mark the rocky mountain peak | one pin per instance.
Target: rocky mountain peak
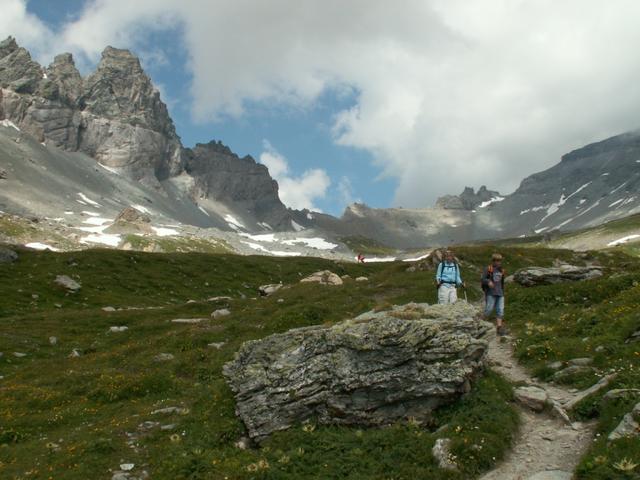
(468, 199)
(7, 46)
(120, 89)
(18, 72)
(63, 73)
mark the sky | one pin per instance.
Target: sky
(387, 103)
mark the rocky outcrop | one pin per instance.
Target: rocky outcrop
(223, 176)
(130, 220)
(124, 123)
(547, 276)
(376, 369)
(468, 199)
(18, 72)
(116, 116)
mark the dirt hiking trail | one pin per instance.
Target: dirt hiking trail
(548, 447)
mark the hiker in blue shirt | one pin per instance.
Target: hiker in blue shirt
(448, 279)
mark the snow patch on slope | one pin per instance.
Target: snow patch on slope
(111, 240)
(622, 240)
(491, 201)
(88, 200)
(276, 253)
(314, 242)
(41, 246)
(9, 124)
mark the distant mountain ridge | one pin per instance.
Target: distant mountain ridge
(110, 137)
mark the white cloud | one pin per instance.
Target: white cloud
(345, 192)
(450, 92)
(27, 28)
(295, 192)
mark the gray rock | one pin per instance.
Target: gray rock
(130, 220)
(547, 276)
(552, 475)
(118, 329)
(243, 443)
(163, 357)
(635, 337)
(569, 371)
(467, 200)
(581, 362)
(217, 299)
(188, 320)
(362, 279)
(17, 71)
(216, 345)
(377, 369)
(323, 277)
(270, 289)
(555, 365)
(601, 384)
(108, 309)
(7, 256)
(171, 411)
(628, 426)
(532, 397)
(53, 340)
(222, 312)
(68, 283)
(441, 451)
(620, 393)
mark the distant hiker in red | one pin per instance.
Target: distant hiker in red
(493, 287)
(360, 258)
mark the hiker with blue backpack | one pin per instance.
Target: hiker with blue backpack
(448, 279)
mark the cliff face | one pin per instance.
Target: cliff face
(116, 116)
(222, 176)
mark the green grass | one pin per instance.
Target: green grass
(177, 244)
(79, 417)
(366, 246)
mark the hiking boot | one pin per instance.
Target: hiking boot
(502, 331)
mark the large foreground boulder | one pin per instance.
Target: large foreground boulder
(376, 369)
(547, 276)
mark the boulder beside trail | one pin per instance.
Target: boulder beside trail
(376, 369)
(533, 276)
(323, 277)
(629, 426)
(533, 397)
